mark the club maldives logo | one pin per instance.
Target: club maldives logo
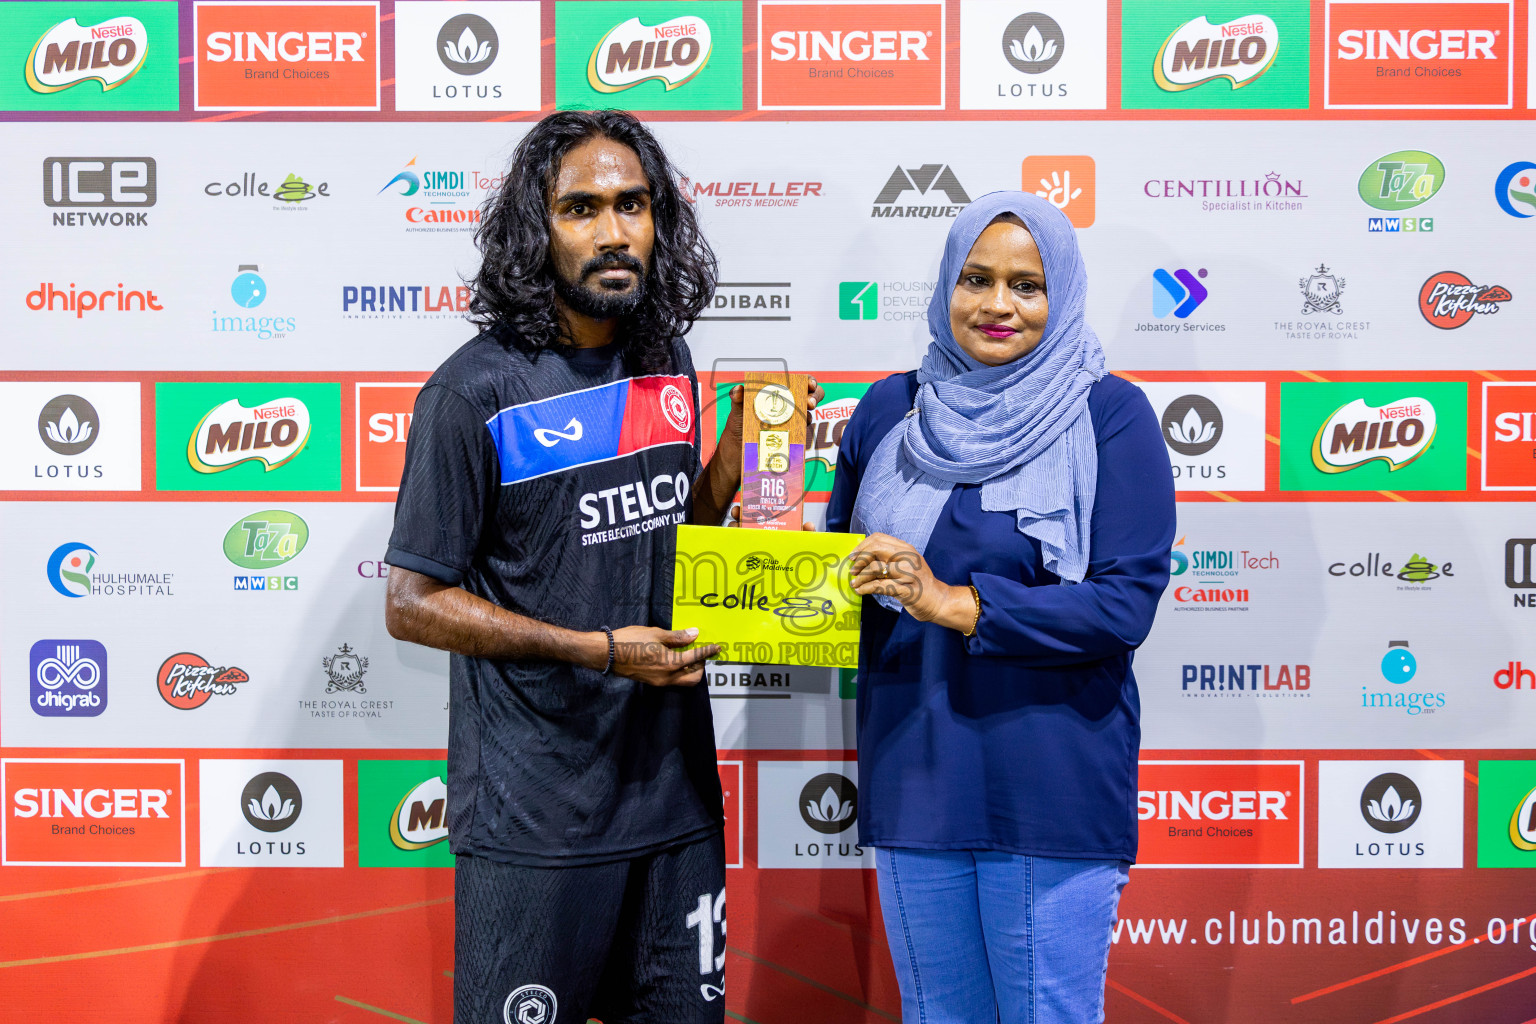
(271, 802)
(1516, 184)
(672, 53)
(929, 178)
(69, 678)
(829, 803)
(1179, 292)
(1192, 425)
(231, 434)
(187, 681)
(1449, 300)
(1068, 183)
(420, 819)
(68, 425)
(1320, 292)
(1401, 181)
(1358, 433)
(852, 56)
(1198, 52)
(110, 52)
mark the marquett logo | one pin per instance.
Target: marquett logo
(1198, 52)
(1448, 300)
(110, 52)
(1192, 425)
(231, 434)
(1418, 54)
(1320, 292)
(274, 56)
(69, 678)
(852, 56)
(92, 812)
(1179, 292)
(68, 424)
(420, 819)
(1402, 180)
(99, 191)
(265, 540)
(1066, 182)
(271, 802)
(829, 803)
(1033, 43)
(188, 681)
(1357, 433)
(1515, 189)
(69, 568)
(927, 181)
(631, 52)
(1391, 803)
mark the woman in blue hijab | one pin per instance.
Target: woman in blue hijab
(1019, 507)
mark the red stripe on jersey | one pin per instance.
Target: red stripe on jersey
(658, 410)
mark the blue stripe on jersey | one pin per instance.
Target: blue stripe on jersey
(559, 433)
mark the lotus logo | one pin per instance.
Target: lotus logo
(68, 424)
(1396, 433)
(271, 802)
(467, 44)
(1320, 292)
(1192, 425)
(829, 803)
(1033, 43)
(1390, 803)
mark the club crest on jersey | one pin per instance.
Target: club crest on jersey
(531, 1004)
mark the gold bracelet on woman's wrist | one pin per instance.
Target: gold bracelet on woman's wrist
(977, 619)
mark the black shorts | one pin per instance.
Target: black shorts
(638, 941)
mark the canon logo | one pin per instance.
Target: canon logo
(1425, 44)
(288, 47)
(856, 45)
(95, 803)
(1211, 805)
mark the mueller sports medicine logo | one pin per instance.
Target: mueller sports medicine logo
(92, 812)
(1198, 52)
(265, 56)
(1219, 814)
(1448, 300)
(631, 52)
(1414, 53)
(929, 182)
(69, 678)
(231, 434)
(748, 193)
(187, 681)
(1357, 433)
(110, 52)
(852, 55)
(1509, 436)
(99, 191)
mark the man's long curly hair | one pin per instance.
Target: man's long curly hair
(516, 282)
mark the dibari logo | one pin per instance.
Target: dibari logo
(1357, 433)
(829, 803)
(271, 802)
(265, 540)
(1179, 293)
(1391, 803)
(68, 425)
(937, 177)
(760, 301)
(1192, 425)
(94, 185)
(231, 434)
(1066, 182)
(421, 817)
(530, 1004)
(467, 44)
(1033, 43)
(274, 56)
(1198, 52)
(1448, 300)
(852, 56)
(1516, 184)
(1320, 292)
(631, 52)
(109, 52)
(69, 678)
(188, 681)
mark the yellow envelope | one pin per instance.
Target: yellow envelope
(768, 597)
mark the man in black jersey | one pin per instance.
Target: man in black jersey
(549, 461)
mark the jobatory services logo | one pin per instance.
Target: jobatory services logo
(69, 678)
(70, 435)
(851, 55)
(248, 290)
(270, 813)
(1178, 292)
(480, 55)
(274, 56)
(1047, 55)
(1221, 55)
(289, 192)
(1520, 570)
(71, 572)
(648, 55)
(1221, 814)
(1389, 814)
(1506, 814)
(749, 301)
(1069, 183)
(1449, 300)
(384, 412)
(187, 681)
(52, 297)
(1515, 189)
(1418, 54)
(1509, 436)
(1214, 431)
(807, 815)
(1373, 436)
(931, 182)
(89, 56)
(402, 814)
(93, 813)
(248, 436)
(439, 200)
(99, 191)
(1397, 182)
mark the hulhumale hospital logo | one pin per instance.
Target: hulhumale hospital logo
(1515, 189)
(69, 568)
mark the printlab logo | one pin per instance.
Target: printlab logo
(1179, 292)
(1198, 52)
(829, 803)
(88, 184)
(1320, 292)
(858, 300)
(1391, 803)
(1449, 300)
(467, 44)
(68, 425)
(1066, 182)
(1192, 425)
(1516, 184)
(271, 802)
(69, 568)
(1033, 43)
(187, 681)
(69, 678)
(937, 179)
(530, 1004)
(1397, 182)
(344, 670)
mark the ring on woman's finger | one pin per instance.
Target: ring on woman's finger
(885, 570)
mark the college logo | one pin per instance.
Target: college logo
(1516, 184)
(49, 297)
(1373, 436)
(69, 678)
(1320, 292)
(402, 809)
(1066, 182)
(265, 540)
(1509, 436)
(1185, 55)
(530, 1004)
(292, 190)
(1179, 292)
(853, 56)
(1357, 433)
(1416, 571)
(1401, 181)
(1416, 53)
(1198, 52)
(187, 681)
(231, 434)
(95, 185)
(936, 177)
(466, 56)
(1506, 814)
(344, 670)
(68, 425)
(96, 813)
(829, 803)
(384, 413)
(1050, 56)
(1448, 300)
(1220, 814)
(271, 802)
(109, 52)
(1389, 814)
(1192, 425)
(679, 56)
(265, 56)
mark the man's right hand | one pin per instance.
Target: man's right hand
(655, 656)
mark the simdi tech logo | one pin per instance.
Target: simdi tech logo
(648, 55)
(273, 56)
(212, 436)
(1215, 55)
(93, 813)
(89, 56)
(402, 814)
(851, 55)
(1367, 436)
(1423, 54)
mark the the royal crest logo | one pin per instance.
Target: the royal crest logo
(1198, 52)
(1396, 433)
(344, 670)
(1448, 300)
(1320, 292)
(271, 433)
(630, 53)
(110, 52)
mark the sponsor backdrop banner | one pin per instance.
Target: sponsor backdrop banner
(239, 234)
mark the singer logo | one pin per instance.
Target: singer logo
(384, 414)
(263, 56)
(92, 813)
(1220, 814)
(852, 56)
(1515, 676)
(1509, 436)
(270, 433)
(1418, 53)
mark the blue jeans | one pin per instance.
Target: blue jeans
(979, 937)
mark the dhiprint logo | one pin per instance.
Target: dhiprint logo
(232, 434)
(858, 300)
(530, 1004)
(1515, 676)
(467, 44)
(1516, 184)
(69, 568)
(631, 52)
(1401, 181)
(1449, 300)
(852, 56)
(1179, 292)
(49, 297)
(68, 425)
(1358, 433)
(1066, 182)
(1320, 292)
(109, 52)
(1192, 425)
(275, 56)
(1398, 665)
(1509, 436)
(271, 802)
(1418, 54)
(1391, 803)
(829, 803)
(69, 678)
(1033, 43)
(937, 177)
(84, 185)
(187, 681)
(265, 540)
(1198, 52)
(421, 817)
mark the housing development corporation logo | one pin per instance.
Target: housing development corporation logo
(851, 56)
(655, 55)
(1448, 300)
(275, 56)
(1198, 52)
(187, 681)
(91, 812)
(69, 678)
(1373, 436)
(929, 182)
(99, 191)
(1418, 54)
(1509, 435)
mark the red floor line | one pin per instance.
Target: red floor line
(1469, 993)
(1144, 1001)
(813, 983)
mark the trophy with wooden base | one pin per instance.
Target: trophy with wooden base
(773, 450)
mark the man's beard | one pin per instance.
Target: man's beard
(601, 302)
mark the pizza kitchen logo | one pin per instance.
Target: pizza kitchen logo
(1356, 434)
(673, 53)
(187, 681)
(1449, 300)
(110, 52)
(1198, 52)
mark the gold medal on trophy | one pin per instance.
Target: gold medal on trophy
(773, 456)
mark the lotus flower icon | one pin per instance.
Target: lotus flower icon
(1034, 48)
(68, 429)
(271, 806)
(271, 802)
(467, 49)
(1192, 429)
(1391, 803)
(829, 809)
(1391, 807)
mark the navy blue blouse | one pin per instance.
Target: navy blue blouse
(1024, 737)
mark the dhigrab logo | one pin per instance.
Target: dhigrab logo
(69, 678)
